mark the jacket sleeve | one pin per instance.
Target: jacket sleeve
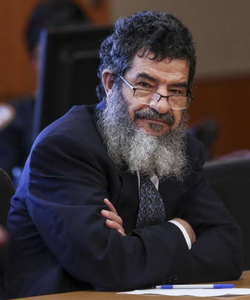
(217, 253)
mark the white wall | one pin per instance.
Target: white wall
(221, 30)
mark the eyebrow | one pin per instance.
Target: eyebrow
(146, 76)
(179, 84)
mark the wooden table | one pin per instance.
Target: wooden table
(243, 282)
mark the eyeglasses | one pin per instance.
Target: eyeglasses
(176, 102)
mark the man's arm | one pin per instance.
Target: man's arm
(67, 188)
(113, 221)
(65, 200)
(217, 251)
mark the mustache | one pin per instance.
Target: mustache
(152, 114)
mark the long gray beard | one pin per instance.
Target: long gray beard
(128, 144)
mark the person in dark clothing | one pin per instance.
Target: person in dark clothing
(16, 115)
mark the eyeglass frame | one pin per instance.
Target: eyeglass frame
(189, 96)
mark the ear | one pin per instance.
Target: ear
(107, 81)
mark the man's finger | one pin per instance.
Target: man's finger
(110, 206)
(111, 216)
(113, 225)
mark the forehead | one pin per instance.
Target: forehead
(174, 69)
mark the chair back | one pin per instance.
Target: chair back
(6, 192)
(230, 180)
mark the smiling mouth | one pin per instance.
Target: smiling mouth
(154, 117)
(157, 121)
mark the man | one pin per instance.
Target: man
(113, 196)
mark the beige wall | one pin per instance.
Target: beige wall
(221, 29)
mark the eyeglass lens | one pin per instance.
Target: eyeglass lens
(178, 102)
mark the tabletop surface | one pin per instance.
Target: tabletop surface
(243, 282)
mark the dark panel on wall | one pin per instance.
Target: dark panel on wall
(228, 102)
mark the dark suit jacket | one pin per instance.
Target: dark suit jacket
(58, 238)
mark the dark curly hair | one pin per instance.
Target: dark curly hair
(160, 33)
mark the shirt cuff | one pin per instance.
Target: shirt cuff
(184, 232)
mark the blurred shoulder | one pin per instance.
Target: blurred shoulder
(79, 123)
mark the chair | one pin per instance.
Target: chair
(6, 192)
(230, 180)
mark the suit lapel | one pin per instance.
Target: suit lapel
(128, 200)
(172, 193)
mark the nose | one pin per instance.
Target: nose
(160, 106)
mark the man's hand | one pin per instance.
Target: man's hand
(188, 228)
(113, 220)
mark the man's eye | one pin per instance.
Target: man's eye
(144, 85)
(176, 92)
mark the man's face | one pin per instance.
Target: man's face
(146, 136)
(167, 77)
